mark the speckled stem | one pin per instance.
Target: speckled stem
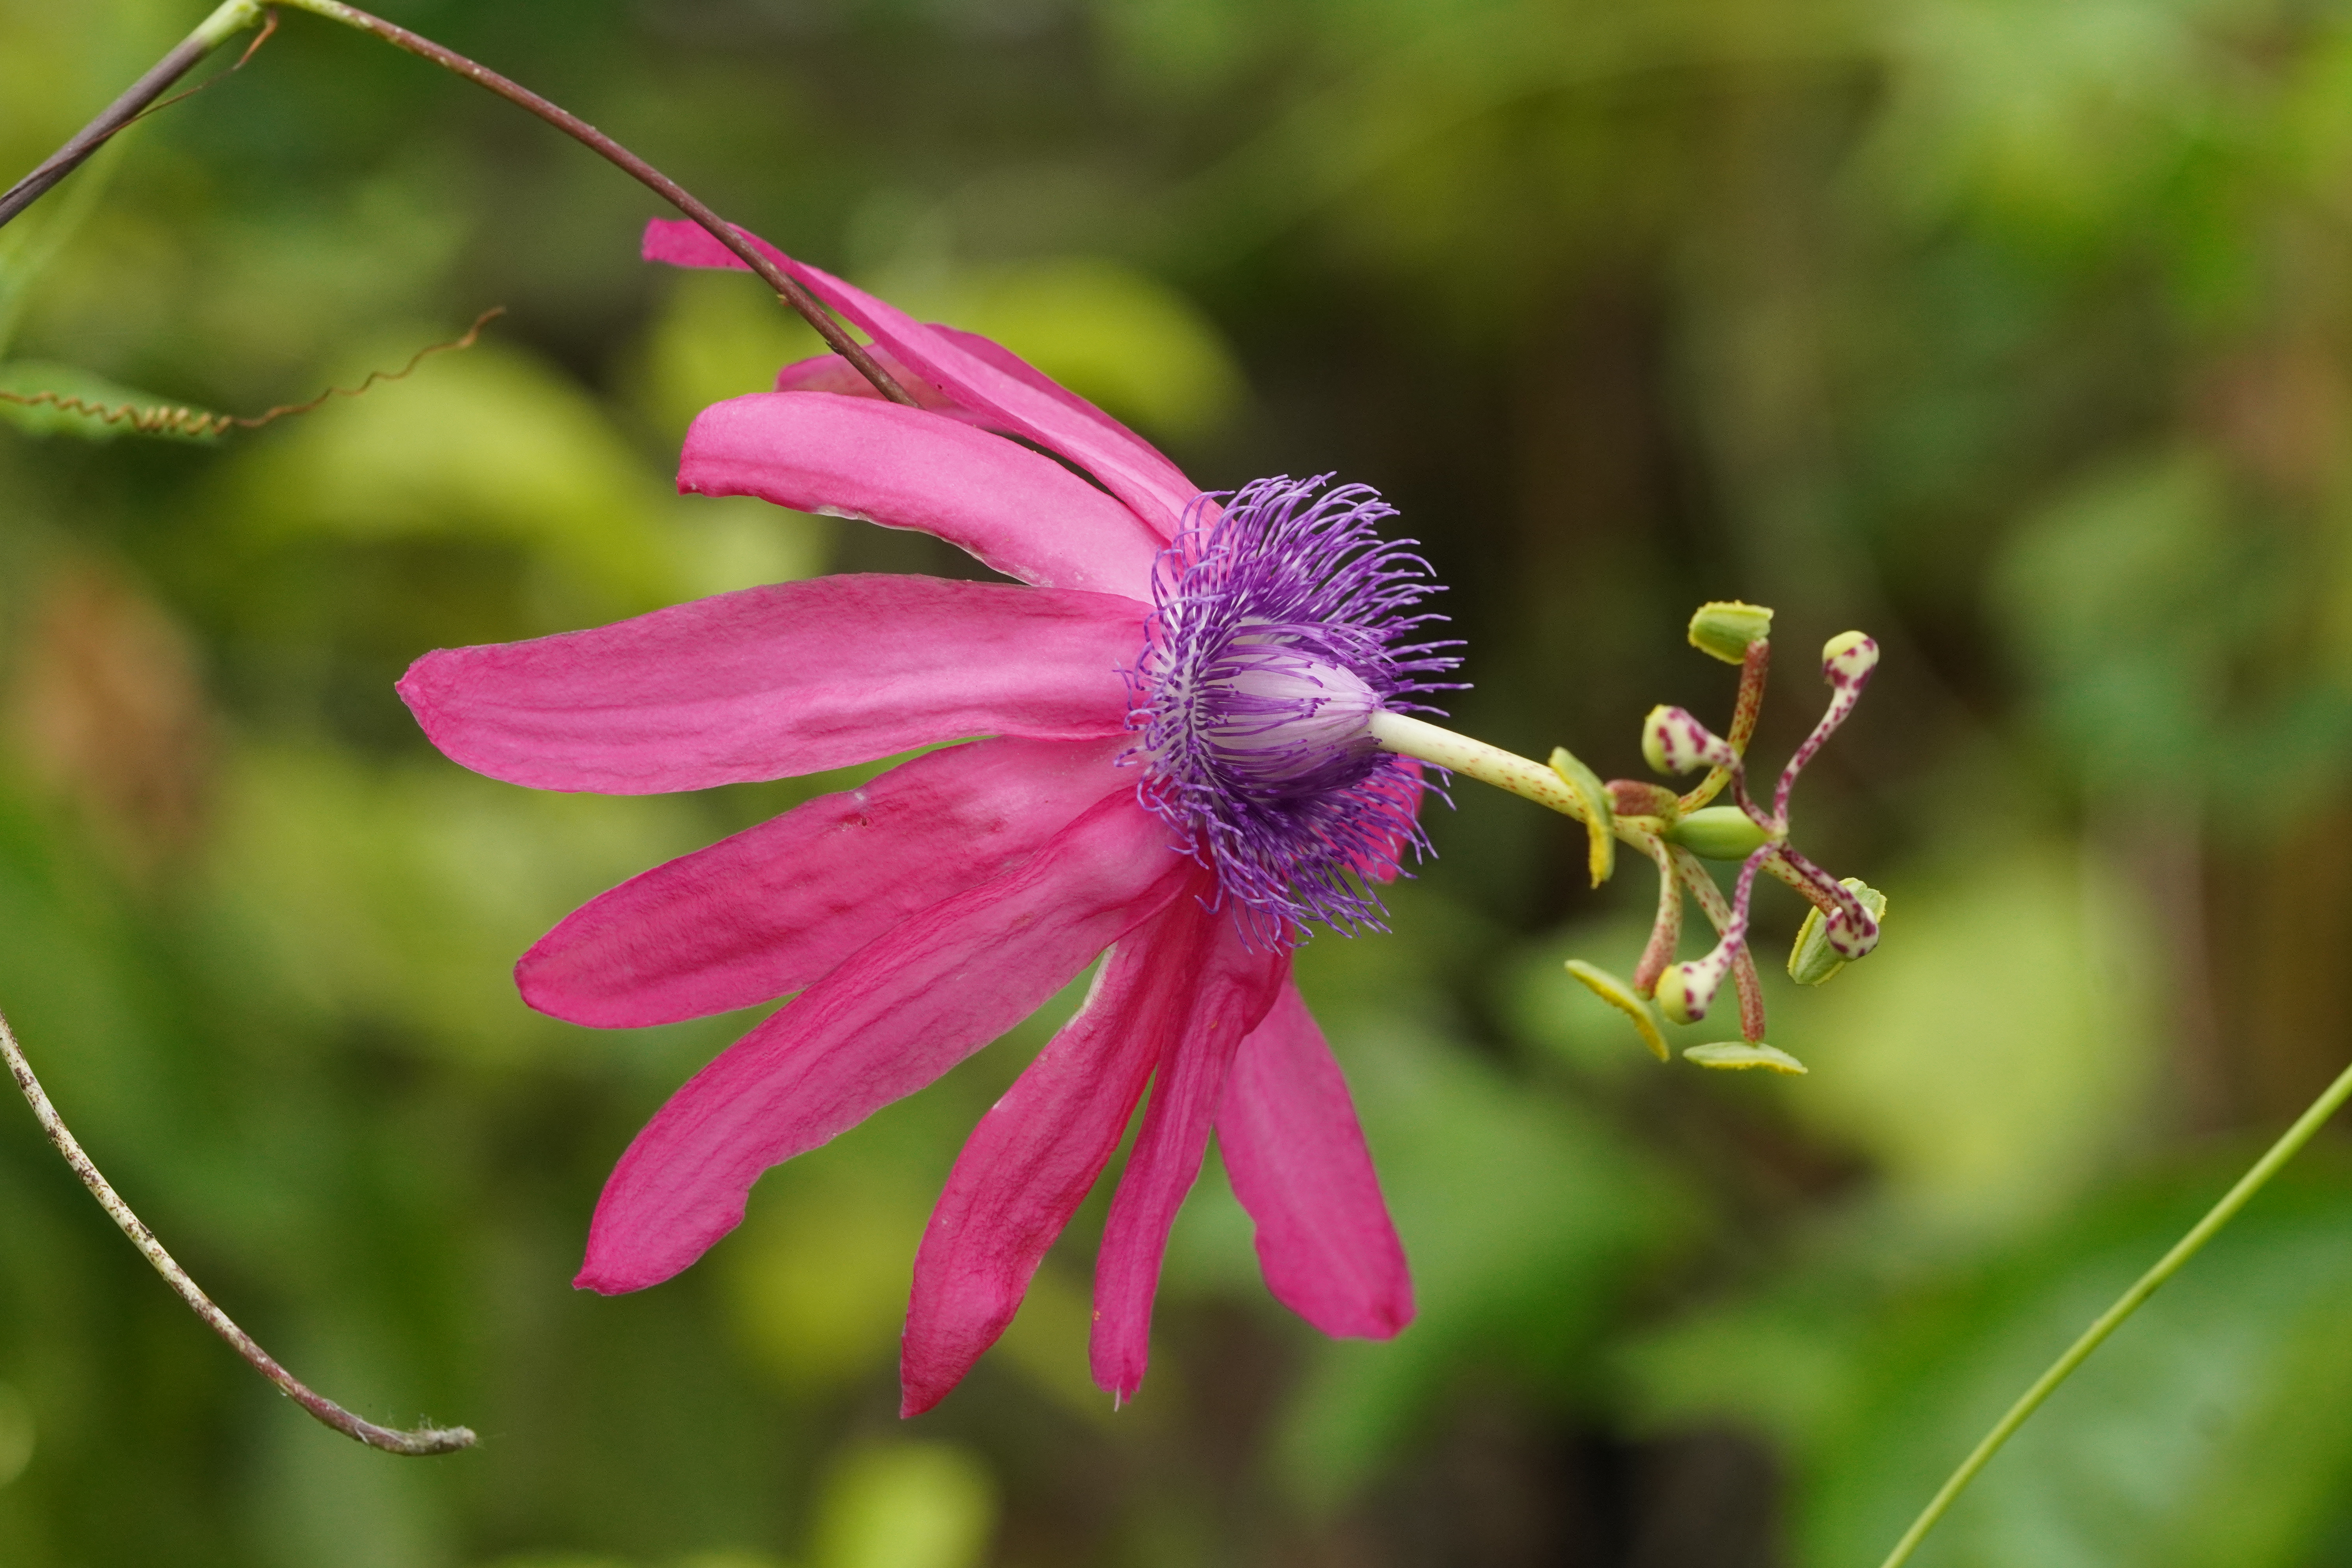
(1819, 896)
(1753, 672)
(1666, 931)
(1719, 914)
(1751, 995)
(1844, 692)
(1827, 893)
(424, 1440)
(1411, 737)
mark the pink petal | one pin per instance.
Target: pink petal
(831, 373)
(989, 352)
(1034, 1156)
(1296, 1157)
(1129, 467)
(895, 1015)
(1232, 989)
(1402, 781)
(777, 906)
(1023, 514)
(771, 682)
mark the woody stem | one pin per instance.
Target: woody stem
(238, 15)
(232, 19)
(424, 1440)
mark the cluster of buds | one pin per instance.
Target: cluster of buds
(1679, 832)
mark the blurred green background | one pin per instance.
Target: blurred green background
(2013, 332)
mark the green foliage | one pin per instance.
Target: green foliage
(2192, 1439)
(2015, 333)
(1991, 1055)
(907, 1505)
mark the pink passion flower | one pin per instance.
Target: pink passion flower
(1175, 772)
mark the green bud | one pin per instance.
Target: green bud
(1717, 833)
(1673, 997)
(1724, 628)
(1812, 961)
(1734, 1055)
(1674, 742)
(1848, 656)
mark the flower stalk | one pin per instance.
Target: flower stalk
(1673, 832)
(1411, 737)
(423, 1440)
(2290, 1144)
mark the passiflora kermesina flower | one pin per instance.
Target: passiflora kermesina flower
(1173, 767)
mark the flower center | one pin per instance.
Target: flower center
(1279, 718)
(1274, 638)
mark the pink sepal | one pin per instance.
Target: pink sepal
(1037, 1153)
(1022, 513)
(1022, 401)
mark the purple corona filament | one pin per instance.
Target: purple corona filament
(1281, 622)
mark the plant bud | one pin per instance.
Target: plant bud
(1673, 998)
(1717, 833)
(1674, 742)
(1816, 955)
(1848, 656)
(1724, 628)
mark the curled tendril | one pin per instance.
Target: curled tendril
(165, 419)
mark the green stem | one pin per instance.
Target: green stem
(2285, 1149)
(1528, 779)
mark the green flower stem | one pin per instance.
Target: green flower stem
(424, 1440)
(1505, 770)
(231, 19)
(2290, 1144)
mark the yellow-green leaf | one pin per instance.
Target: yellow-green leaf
(1619, 994)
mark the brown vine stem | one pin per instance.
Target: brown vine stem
(423, 1440)
(231, 18)
(238, 15)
